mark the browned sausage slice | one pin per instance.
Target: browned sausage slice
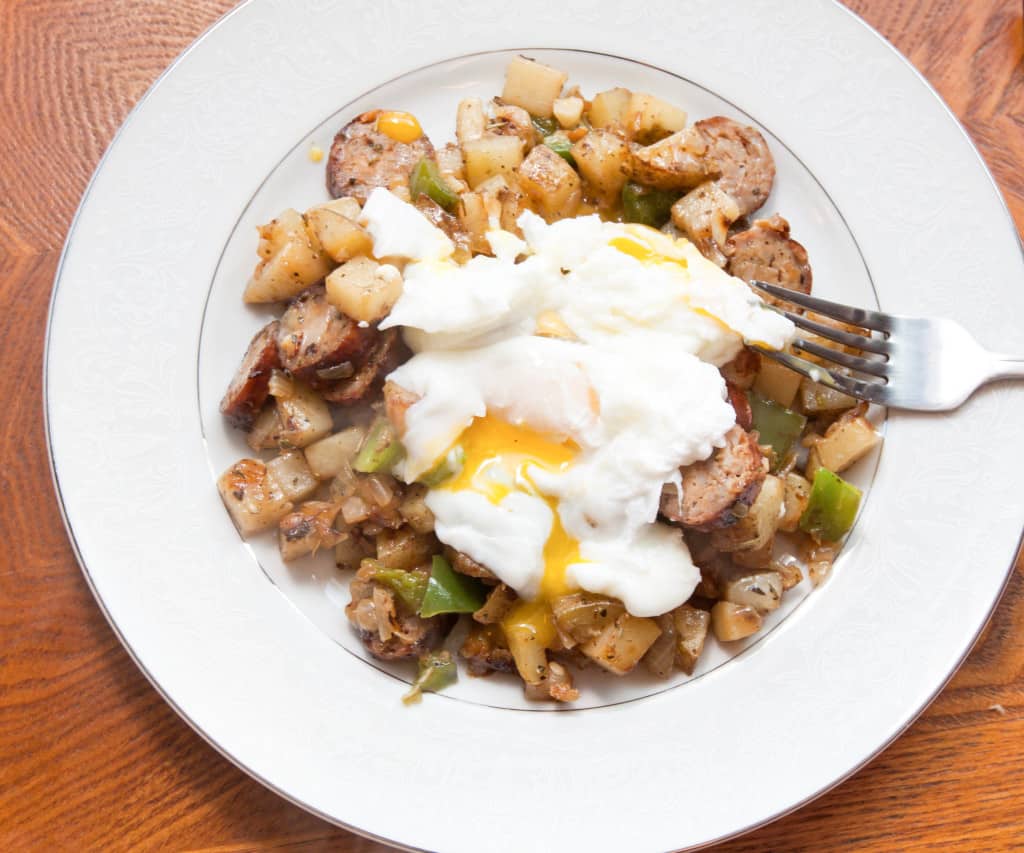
(249, 389)
(744, 159)
(712, 488)
(362, 159)
(315, 337)
(383, 356)
(767, 253)
(740, 405)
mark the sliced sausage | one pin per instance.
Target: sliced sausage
(742, 371)
(677, 162)
(767, 253)
(362, 159)
(712, 488)
(250, 387)
(385, 354)
(315, 338)
(740, 405)
(742, 157)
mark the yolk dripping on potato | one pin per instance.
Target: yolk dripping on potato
(498, 456)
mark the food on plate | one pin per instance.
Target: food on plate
(508, 389)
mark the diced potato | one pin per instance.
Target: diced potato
(405, 548)
(510, 120)
(584, 616)
(603, 159)
(364, 289)
(414, 510)
(265, 431)
(491, 155)
(532, 86)
(329, 456)
(293, 475)
(815, 398)
(762, 590)
(609, 109)
(254, 499)
(794, 501)
(470, 121)
(346, 206)
(528, 651)
(777, 382)
(474, 221)
(351, 551)
(303, 414)
(550, 183)
(619, 647)
(308, 529)
(732, 621)
(649, 119)
(691, 631)
(568, 111)
(757, 528)
(292, 260)
(497, 606)
(660, 659)
(704, 215)
(677, 162)
(846, 441)
(339, 236)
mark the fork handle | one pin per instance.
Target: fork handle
(1007, 367)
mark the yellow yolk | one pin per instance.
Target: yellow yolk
(497, 458)
(649, 246)
(402, 127)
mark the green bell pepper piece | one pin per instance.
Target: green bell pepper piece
(778, 426)
(831, 508)
(410, 586)
(437, 670)
(544, 126)
(380, 450)
(450, 592)
(449, 466)
(562, 147)
(427, 180)
(647, 205)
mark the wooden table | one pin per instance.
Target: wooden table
(90, 755)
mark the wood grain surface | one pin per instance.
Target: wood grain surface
(91, 758)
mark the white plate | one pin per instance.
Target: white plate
(146, 327)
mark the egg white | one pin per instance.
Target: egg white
(631, 382)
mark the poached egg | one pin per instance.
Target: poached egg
(560, 385)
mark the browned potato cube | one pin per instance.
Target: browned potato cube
(550, 183)
(691, 631)
(253, 498)
(619, 647)
(293, 475)
(603, 160)
(734, 621)
(649, 119)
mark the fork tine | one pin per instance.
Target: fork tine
(873, 392)
(873, 366)
(847, 339)
(857, 316)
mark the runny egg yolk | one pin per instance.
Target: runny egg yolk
(497, 459)
(402, 127)
(648, 246)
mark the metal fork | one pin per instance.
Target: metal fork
(927, 364)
